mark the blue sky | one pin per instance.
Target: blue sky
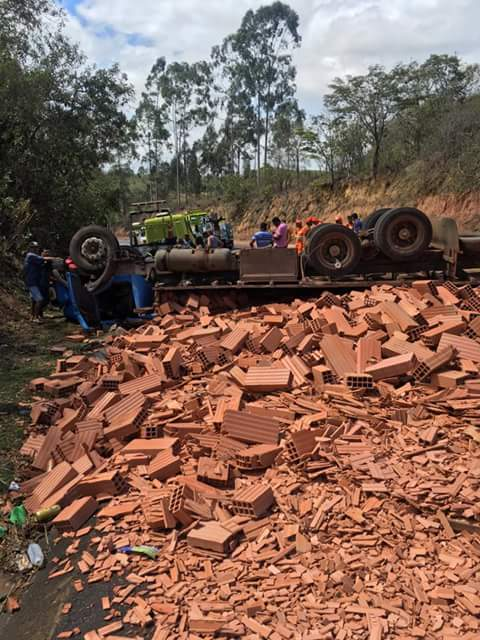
(339, 36)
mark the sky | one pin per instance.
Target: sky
(339, 37)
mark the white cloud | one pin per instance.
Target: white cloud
(339, 36)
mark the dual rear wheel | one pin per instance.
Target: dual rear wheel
(401, 234)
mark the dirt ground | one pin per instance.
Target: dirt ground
(25, 353)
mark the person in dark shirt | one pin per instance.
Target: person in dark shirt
(33, 272)
(171, 239)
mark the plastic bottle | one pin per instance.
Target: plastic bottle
(35, 554)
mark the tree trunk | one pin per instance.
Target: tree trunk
(185, 170)
(150, 191)
(177, 154)
(267, 124)
(156, 169)
(375, 160)
(178, 179)
(258, 141)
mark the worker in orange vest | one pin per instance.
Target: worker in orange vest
(298, 236)
(302, 233)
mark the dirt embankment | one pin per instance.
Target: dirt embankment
(363, 198)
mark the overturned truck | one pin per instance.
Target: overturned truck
(395, 244)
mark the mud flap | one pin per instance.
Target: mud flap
(445, 237)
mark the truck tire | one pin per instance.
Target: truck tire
(403, 233)
(92, 247)
(333, 250)
(372, 219)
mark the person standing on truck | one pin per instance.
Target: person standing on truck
(280, 233)
(303, 232)
(171, 239)
(212, 241)
(187, 242)
(32, 268)
(299, 236)
(357, 223)
(262, 238)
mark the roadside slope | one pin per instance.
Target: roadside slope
(362, 197)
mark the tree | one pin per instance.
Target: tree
(23, 26)
(370, 101)
(152, 123)
(257, 62)
(214, 152)
(194, 177)
(60, 121)
(427, 91)
(186, 103)
(287, 134)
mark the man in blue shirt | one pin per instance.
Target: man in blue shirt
(262, 238)
(33, 272)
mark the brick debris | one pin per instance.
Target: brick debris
(307, 470)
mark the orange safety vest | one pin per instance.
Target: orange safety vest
(300, 239)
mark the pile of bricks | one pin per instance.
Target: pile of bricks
(307, 470)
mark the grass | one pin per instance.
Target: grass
(24, 354)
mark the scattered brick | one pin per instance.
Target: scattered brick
(341, 502)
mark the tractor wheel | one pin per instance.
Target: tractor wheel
(92, 247)
(372, 219)
(403, 234)
(333, 250)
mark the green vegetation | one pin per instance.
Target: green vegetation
(24, 354)
(61, 121)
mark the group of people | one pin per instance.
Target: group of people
(278, 235)
(354, 222)
(41, 270)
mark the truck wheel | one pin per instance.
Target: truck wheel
(372, 219)
(92, 247)
(403, 233)
(333, 250)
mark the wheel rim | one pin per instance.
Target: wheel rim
(405, 235)
(334, 252)
(94, 250)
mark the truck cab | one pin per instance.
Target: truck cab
(152, 224)
(140, 213)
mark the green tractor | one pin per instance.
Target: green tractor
(153, 224)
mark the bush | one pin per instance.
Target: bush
(14, 220)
